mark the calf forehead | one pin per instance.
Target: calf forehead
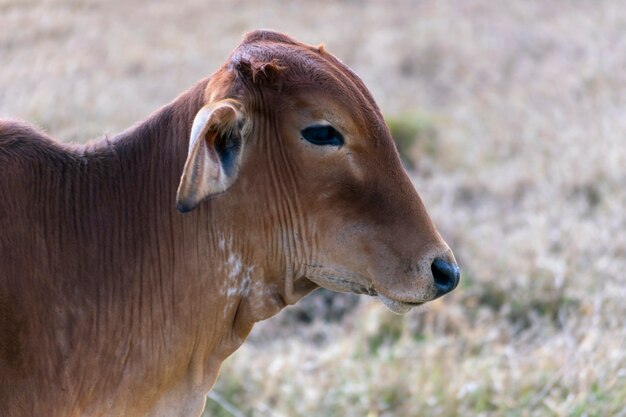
(279, 63)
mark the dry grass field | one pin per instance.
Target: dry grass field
(513, 115)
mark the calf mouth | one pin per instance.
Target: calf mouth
(349, 282)
(395, 306)
(398, 307)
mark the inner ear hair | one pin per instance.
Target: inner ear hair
(224, 121)
(229, 128)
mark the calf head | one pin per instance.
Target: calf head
(292, 145)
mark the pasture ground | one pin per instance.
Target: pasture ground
(516, 113)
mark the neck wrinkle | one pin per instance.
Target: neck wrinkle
(144, 245)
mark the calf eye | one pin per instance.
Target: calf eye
(322, 135)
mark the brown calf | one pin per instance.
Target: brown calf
(112, 303)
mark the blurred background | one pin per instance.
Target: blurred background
(511, 117)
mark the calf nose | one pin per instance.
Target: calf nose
(446, 276)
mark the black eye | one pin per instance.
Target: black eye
(322, 135)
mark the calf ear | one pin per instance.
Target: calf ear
(214, 154)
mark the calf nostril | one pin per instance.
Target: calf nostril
(446, 276)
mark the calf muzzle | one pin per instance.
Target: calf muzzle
(445, 275)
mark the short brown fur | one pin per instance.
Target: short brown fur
(112, 303)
